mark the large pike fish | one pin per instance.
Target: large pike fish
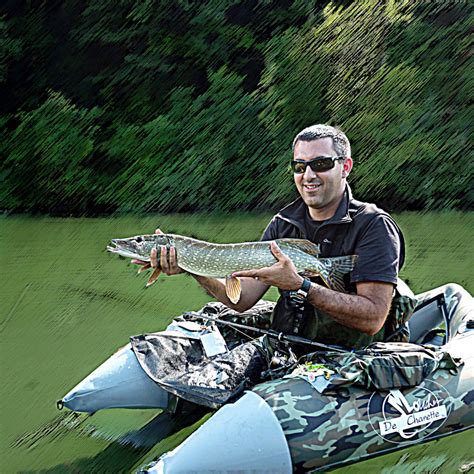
(221, 260)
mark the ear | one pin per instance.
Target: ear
(347, 167)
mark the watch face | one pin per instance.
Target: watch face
(305, 286)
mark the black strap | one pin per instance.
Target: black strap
(298, 316)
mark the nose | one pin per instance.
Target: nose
(309, 173)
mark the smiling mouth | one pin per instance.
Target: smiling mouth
(311, 186)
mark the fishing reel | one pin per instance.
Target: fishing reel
(280, 364)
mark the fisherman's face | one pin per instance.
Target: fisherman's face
(321, 191)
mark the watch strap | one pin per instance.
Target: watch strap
(301, 295)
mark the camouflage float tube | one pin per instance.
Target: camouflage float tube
(338, 409)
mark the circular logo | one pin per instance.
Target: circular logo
(406, 416)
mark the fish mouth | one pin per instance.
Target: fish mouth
(118, 244)
(114, 246)
(120, 247)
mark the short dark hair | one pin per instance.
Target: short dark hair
(339, 139)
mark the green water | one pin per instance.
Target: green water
(66, 306)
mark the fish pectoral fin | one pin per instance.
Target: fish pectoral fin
(233, 288)
(309, 273)
(144, 267)
(154, 276)
(336, 283)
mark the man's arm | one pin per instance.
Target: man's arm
(366, 311)
(252, 291)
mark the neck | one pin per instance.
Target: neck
(326, 212)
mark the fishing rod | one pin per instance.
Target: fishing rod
(282, 337)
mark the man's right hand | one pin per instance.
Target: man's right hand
(167, 263)
(252, 290)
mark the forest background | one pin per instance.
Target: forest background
(180, 106)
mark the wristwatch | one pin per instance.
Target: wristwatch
(301, 295)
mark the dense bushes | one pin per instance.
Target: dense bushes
(180, 105)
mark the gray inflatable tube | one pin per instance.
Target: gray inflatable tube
(119, 382)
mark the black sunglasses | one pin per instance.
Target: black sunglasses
(318, 164)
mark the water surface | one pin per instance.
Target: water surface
(67, 305)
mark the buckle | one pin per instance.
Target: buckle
(301, 295)
(298, 296)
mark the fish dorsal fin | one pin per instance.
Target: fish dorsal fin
(233, 288)
(301, 244)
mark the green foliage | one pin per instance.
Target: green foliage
(183, 106)
(291, 89)
(48, 156)
(10, 49)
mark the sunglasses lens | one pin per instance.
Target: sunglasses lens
(323, 164)
(318, 165)
(299, 167)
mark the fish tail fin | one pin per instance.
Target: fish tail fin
(334, 270)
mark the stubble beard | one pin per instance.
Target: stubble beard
(316, 199)
(325, 198)
(315, 202)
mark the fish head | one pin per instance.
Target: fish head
(139, 246)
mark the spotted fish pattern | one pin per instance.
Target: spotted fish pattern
(221, 260)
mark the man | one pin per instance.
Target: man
(327, 215)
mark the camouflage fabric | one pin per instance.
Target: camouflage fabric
(319, 325)
(352, 422)
(381, 365)
(180, 366)
(344, 426)
(259, 316)
(401, 310)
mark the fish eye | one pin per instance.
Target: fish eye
(138, 239)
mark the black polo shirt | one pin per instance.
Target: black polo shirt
(357, 228)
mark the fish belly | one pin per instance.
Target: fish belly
(305, 262)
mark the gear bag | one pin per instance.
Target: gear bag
(177, 358)
(382, 366)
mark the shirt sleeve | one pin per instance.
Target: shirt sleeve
(378, 252)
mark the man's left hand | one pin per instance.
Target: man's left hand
(282, 274)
